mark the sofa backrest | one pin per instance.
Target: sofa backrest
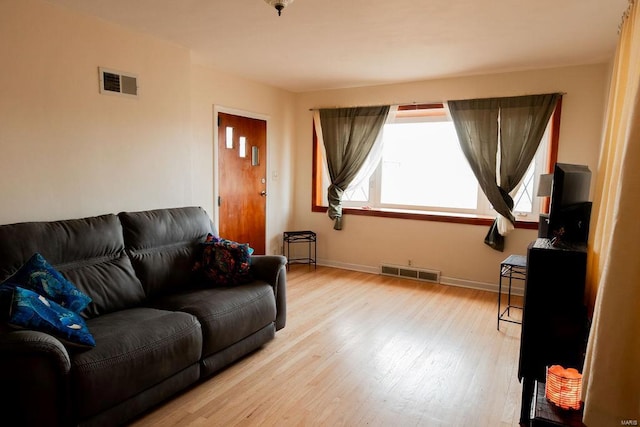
(89, 252)
(163, 244)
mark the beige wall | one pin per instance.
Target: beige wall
(456, 250)
(67, 151)
(217, 91)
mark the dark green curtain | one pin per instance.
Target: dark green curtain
(506, 128)
(348, 135)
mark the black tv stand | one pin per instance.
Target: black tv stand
(554, 320)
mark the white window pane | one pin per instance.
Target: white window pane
(229, 137)
(423, 165)
(243, 146)
(526, 203)
(358, 194)
(423, 168)
(523, 200)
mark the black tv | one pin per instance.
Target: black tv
(570, 208)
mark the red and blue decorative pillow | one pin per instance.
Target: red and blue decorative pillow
(225, 262)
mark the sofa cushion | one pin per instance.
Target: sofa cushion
(135, 350)
(89, 252)
(227, 314)
(110, 281)
(38, 275)
(32, 311)
(163, 244)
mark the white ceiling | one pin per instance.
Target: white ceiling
(325, 44)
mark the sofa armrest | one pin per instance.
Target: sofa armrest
(34, 377)
(272, 269)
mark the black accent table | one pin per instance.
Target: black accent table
(306, 236)
(514, 267)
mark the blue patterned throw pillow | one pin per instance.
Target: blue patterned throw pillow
(32, 311)
(225, 262)
(38, 275)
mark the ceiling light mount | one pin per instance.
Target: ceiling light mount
(279, 4)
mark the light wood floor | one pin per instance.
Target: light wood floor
(362, 349)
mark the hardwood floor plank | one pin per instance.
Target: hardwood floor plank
(363, 349)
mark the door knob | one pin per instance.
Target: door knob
(263, 193)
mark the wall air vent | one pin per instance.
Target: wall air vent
(118, 83)
(410, 273)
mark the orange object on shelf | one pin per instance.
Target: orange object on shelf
(564, 387)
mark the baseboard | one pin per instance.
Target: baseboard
(444, 280)
(352, 267)
(491, 287)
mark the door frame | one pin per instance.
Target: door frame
(216, 172)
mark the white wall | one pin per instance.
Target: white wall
(456, 250)
(67, 151)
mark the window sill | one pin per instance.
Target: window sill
(427, 216)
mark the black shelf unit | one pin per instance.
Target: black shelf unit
(554, 320)
(546, 414)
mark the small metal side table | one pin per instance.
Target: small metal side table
(291, 237)
(514, 267)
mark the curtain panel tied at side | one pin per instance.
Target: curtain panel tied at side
(348, 135)
(499, 137)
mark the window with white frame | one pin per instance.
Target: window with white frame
(423, 169)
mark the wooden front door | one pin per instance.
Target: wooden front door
(242, 201)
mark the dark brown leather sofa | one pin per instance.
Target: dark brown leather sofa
(158, 328)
